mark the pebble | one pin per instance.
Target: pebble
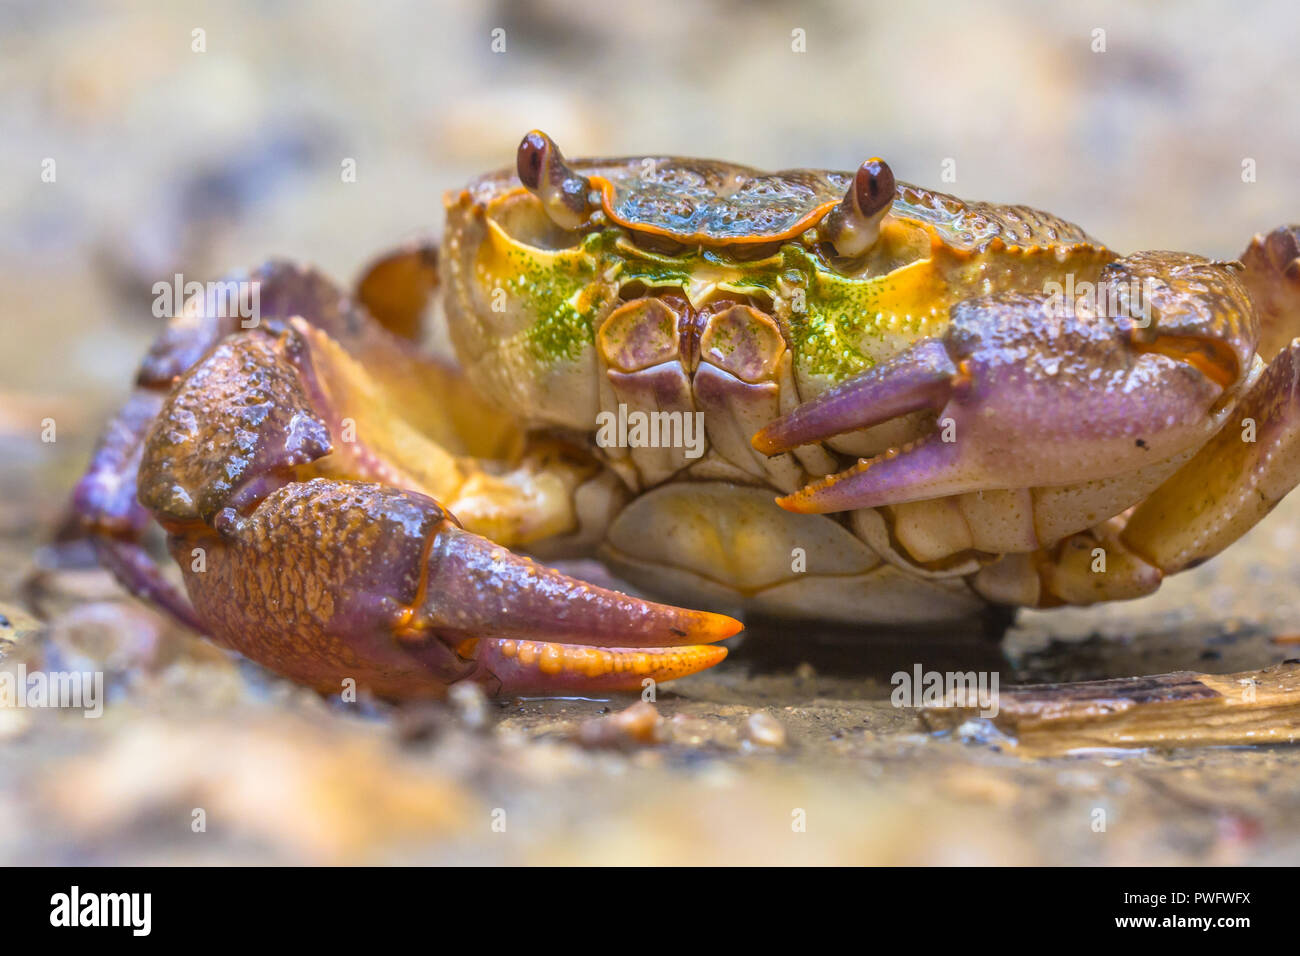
(765, 730)
(637, 725)
(470, 704)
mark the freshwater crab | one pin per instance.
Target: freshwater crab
(901, 425)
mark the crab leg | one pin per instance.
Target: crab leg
(115, 522)
(1067, 572)
(396, 288)
(1032, 395)
(1222, 492)
(1271, 270)
(1246, 469)
(323, 577)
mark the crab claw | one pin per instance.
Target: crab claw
(324, 578)
(919, 378)
(1029, 395)
(565, 194)
(537, 630)
(853, 226)
(329, 580)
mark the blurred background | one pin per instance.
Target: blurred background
(146, 139)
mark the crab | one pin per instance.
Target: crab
(803, 394)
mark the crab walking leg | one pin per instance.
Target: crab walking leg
(1033, 393)
(111, 516)
(1246, 469)
(1233, 482)
(1084, 568)
(326, 581)
(1271, 271)
(397, 287)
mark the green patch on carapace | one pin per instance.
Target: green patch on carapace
(839, 315)
(830, 335)
(562, 293)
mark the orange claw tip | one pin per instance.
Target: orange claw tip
(546, 667)
(801, 503)
(714, 627)
(834, 492)
(765, 442)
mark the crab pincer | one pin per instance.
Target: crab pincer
(1028, 394)
(324, 578)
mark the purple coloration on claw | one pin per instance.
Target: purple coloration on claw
(919, 378)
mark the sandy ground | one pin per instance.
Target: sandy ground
(169, 159)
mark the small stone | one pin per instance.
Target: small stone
(765, 730)
(687, 731)
(470, 704)
(115, 636)
(637, 725)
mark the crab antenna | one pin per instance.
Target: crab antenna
(853, 226)
(544, 173)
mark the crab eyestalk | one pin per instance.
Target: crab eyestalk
(565, 194)
(853, 226)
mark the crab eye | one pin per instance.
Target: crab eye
(853, 226)
(873, 185)
(529, 161)
(565, 195)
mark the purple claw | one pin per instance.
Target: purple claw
(1027, 396)
(927, 470)
(919, 378)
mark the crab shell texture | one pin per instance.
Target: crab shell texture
(689, 286)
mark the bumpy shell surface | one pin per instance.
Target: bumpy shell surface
(699, 200)
(712, 203)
